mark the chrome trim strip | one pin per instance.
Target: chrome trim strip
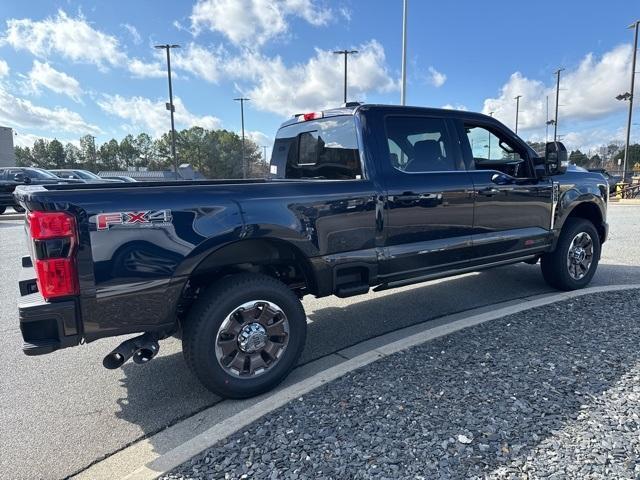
(555, 197)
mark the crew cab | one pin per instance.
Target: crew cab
(359, 197)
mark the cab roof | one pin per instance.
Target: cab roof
(352, 108)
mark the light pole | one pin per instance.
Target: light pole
(546, 123)
(489, 144)
(403, 85)
(517, 99)
(170, 105)
(555, 121)
(346, 54)
(264, 156)
(629, 96)
(242, 100)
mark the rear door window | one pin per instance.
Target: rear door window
(323, 149)
(419, 145)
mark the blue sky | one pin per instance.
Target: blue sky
(68, 68)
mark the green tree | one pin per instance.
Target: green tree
(578, 158)
(23, 157)
(73, 156)
(128, 152)
(108, 155)
(192, 146)
(55, 152)
(215, 153)
(40, 153)
(145, 147)
(88, 153)
(162, 148)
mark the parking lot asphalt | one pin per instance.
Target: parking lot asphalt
(550, 392)
(62, 412)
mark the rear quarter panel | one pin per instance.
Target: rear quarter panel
(131, 277)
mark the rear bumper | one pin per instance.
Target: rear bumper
(45, 326)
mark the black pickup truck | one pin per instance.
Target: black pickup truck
(360, 197)
(11, 177)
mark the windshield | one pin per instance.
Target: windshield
(86, 175)
(37, 173)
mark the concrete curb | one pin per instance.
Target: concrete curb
(154, 456)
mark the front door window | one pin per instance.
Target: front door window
(491, 151)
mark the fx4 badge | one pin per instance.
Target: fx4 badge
(146, 218)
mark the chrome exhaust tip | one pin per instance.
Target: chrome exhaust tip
(142, 349)
(146, 353)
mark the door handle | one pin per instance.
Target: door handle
(408, 197)
(501, 179)
(489, 192)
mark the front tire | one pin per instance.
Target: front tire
(18, 209)
(573, 263)
(2, 210)
(244, 335)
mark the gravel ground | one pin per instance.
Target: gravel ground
(553, 392)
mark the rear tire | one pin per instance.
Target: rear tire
(18, 209)
(244, 334)
(2, 210)
(573, 263)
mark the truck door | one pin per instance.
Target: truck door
(512, 215)
(429, 197)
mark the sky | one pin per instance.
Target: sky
(70, 68)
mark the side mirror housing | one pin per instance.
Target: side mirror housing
(556, 158)
(21, 178)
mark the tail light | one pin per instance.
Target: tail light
(54, 236)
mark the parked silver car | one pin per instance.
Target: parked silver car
(84, 175)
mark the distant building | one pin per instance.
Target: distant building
(7, 154)
(185, 172)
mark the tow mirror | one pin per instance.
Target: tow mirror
(556, 158)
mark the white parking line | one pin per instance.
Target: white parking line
(154, 456)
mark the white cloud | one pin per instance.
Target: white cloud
(133, 31)
(28, 139)
(201, 62)
(72, 38)
(4, 68)
(587, 92)
(587, 139)
(436, 78)
(141, 69)
(346, 13)
(146, 114)
(254, 22)
(43, 75)
(457, 106)
(260, 138)
(313, 85)
(18, 112)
